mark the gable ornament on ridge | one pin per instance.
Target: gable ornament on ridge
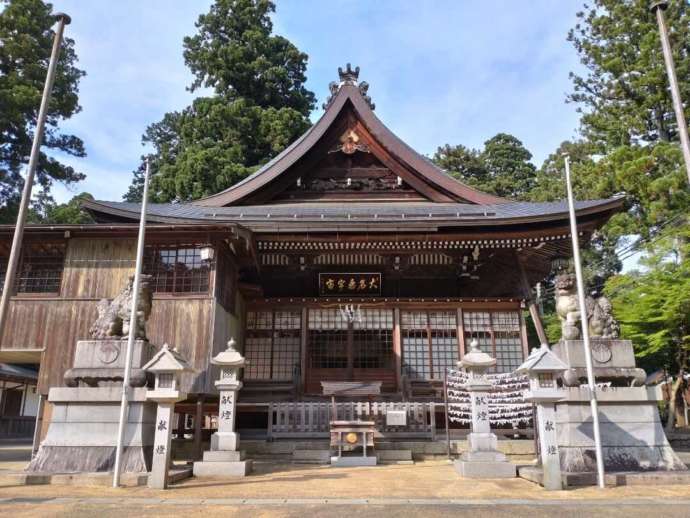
(348, 77)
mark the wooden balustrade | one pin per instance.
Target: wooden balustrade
(311, 419)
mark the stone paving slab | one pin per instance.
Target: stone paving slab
(350, 501)
(297, 486)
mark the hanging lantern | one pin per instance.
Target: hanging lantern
(560, 264)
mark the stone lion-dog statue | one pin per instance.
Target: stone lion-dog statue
(600, 320)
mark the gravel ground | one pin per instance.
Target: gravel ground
(431, 488)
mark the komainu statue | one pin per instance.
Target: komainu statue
(600, 320)
(113, 316)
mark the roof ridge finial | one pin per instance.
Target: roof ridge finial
(349, 75)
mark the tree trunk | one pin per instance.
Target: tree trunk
(672, 402)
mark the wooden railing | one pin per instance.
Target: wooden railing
(311, 419)
(17, 427)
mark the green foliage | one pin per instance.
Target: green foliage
(502, 168)
(259, 106)
(235, 53)
(68, 213)
(46, 211)
(624, 95)
(629, 147)
(26, 39)
(552, 325)
(511, 174)
(653, 306)
(462, 163)
(652, 178)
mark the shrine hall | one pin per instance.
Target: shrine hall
(349, 257)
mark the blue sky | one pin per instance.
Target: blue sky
(439, 71)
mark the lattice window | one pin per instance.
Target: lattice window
(40, 268)
(478, 327)
(509, 352)
(177, 269)
(272, 345)
(327, 339)
(287, 340)
(498, 334)
(373, 340)
(430, 343)
(444, 341)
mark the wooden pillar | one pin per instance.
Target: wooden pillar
(198, 425)
(25, 389)
(3, 398)
(350, 352)
(303, 351)
(461, 333)
(397, 348)
(527, 294)
(38, 424)
(181, 423)
(523, 336)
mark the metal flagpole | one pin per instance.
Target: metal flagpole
(132, 329)
(10, 274)
(585, 330)
(658, 7)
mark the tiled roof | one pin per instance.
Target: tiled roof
(454, 189)
(353, 212)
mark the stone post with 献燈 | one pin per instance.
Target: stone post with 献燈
(543, 368)
(167, 366)
(225, 458)
(482, 460)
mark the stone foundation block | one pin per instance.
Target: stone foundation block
(223, 456)
(478, 469)
(355, 460)
(223, 469)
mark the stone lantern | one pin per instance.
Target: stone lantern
(543, 368)
(224, 457)
(482, 460)
(167, 365)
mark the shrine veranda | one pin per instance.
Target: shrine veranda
(348, 257)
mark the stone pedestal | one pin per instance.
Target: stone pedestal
(83, 431)
(82, 436)
(632, 435)
(613, 361)
(224, 458)
(482, 460)
(101, 362)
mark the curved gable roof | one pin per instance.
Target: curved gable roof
(453, 189)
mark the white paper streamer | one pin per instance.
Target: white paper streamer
(507, 405)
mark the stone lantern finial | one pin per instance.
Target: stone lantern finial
(229, 357)
(476, 361)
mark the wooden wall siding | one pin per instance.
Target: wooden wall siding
(52, 325)
(225, 326)
(97, 268)
(187, 325)
(56, 325)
